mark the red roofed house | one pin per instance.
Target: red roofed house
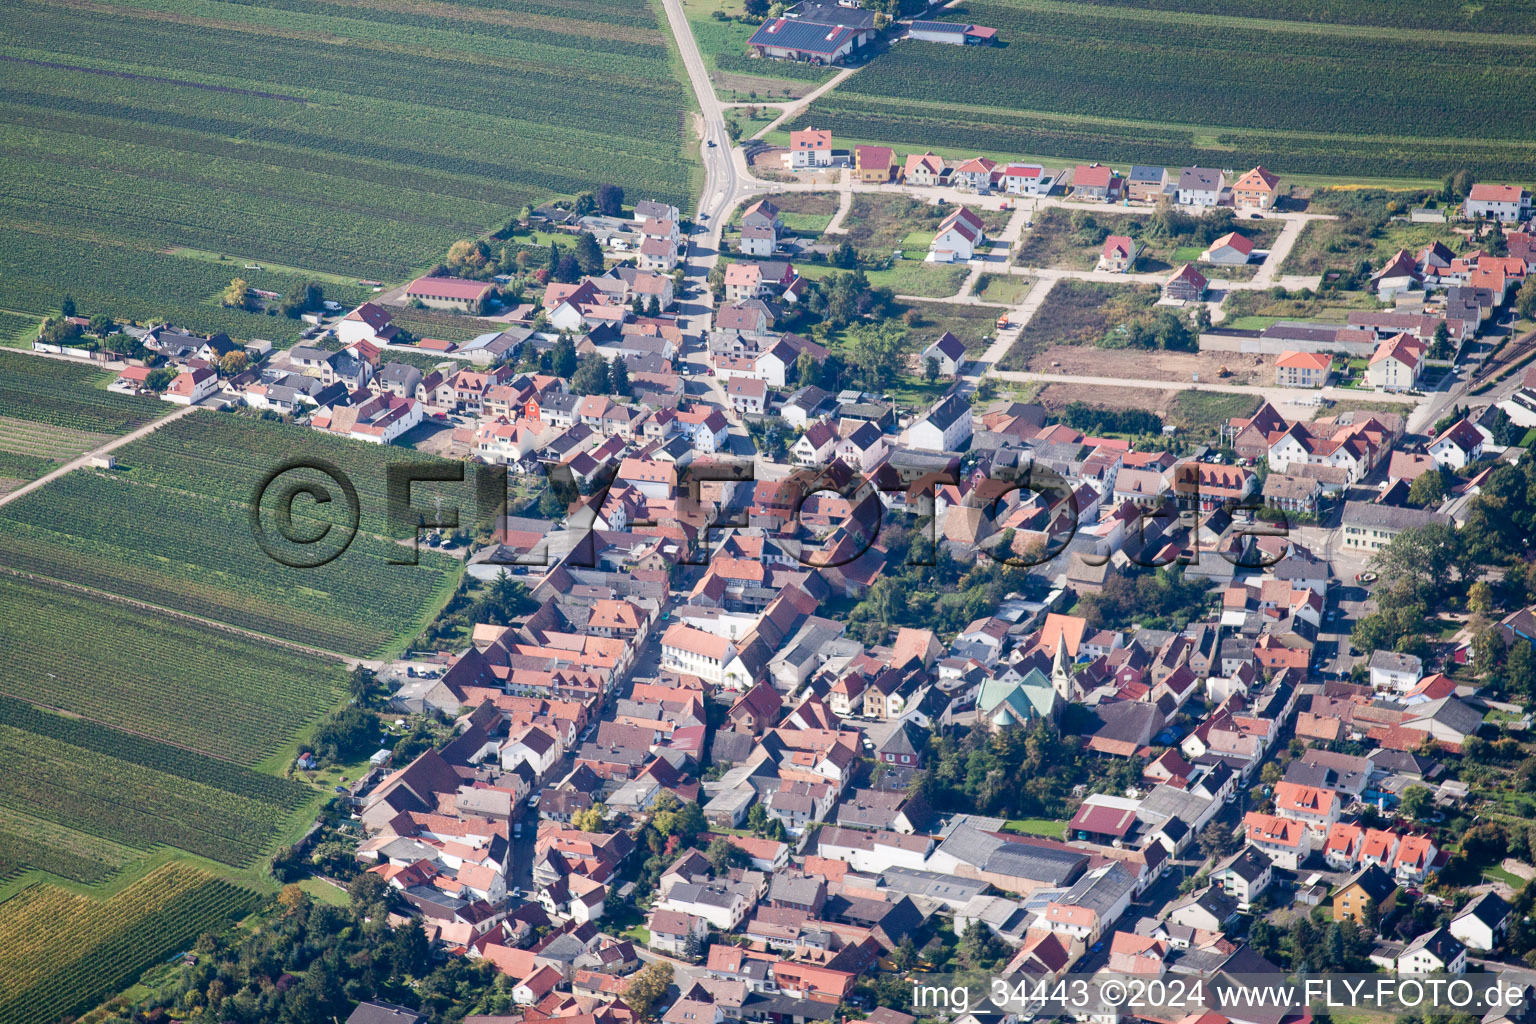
(449, 293)
(975, 174)
(191, 386)
(958, 237)
(1118, 254)
(924, 169)
(875, 165)
(1185, 285)
(1094, 181)
(1027, 180)
(1303, 369)
(1256, 190)
(1284, 841)
(1397, 363)
(1460, 444)
(1313, 806)
(1507, 203)
(810, 147)
(1230, 250)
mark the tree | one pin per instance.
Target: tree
(588, 253)
(618, 378)
(647, 986)
(231, 363)
(1525, 299)
(591, 376)
(878, 351)
(756, 8)
(1217, 840)
(360, 684)
(1427, 489)
(1416, 802)
(1440, 343)
(567, 269)
(807, 372)
(930, 369)
(159, 379)
(67, 306)
(101, 325)
(722, 854)
(845, 256)
(610, 200)
(591, 819)
(586, 204)
(562, 358)
(306, 297)
(236, 296)
(468, 258)
(1480, 599)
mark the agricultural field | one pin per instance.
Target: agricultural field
(1078, 313)
(61, 953)
(213, 692)
(172, 527)
(17, 329)
(351, 139)
(52, 411)
(1078, 81)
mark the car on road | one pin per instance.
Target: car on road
(711, 143)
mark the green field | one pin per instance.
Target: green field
(1081, 81)
(61, 953)
(172, 527)
(357, 138)
(214, 692)
(51, 411)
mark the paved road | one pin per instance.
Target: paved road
(722, 187)
(105, 449)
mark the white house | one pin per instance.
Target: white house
(191, 387)
(1200, 186)
(534, 747)
(1027, 180)
(948, 351)
(1507, 203)
(815, 446)
(1434, 952)
(1483, 923)
(723, 906)
(810, 147)
(1460, 444)
(694, 652)
(1393, 671)
(369, 322)
(758, 241)
(946, 428)
(1244, 876)
(959, 236)
(1396, 364)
